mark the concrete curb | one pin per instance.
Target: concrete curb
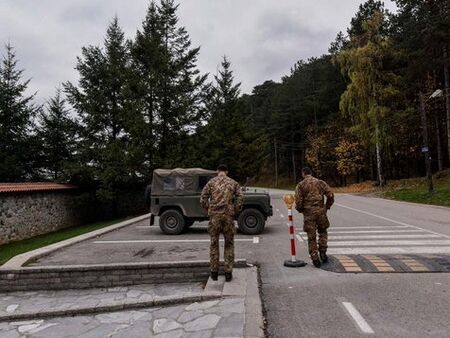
(158, 301)
(245, 284)
(254, 318)
(27, 257)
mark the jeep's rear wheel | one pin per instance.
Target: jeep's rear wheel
(251, 221)
(171, 222)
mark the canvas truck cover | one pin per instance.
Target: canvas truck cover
(179, 181)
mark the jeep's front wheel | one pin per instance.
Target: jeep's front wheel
(251, 221)
(171, 222)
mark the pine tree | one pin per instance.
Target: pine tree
(56, 133)
(103, 102)
(16, 113)
(169, 86)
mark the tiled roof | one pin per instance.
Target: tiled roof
(24, 187)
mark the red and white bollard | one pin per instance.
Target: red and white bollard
(293, 262)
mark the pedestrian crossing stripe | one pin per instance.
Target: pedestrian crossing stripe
(381, 239)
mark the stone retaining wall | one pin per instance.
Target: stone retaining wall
(24, 215)
(95, 276)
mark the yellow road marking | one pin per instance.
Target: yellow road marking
(385, 269)
(417, 268)
(353, 269)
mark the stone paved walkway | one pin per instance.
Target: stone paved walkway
(217, 318)
(39, 301)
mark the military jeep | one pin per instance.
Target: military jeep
(174, 196)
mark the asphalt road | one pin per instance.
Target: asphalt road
(307, 302)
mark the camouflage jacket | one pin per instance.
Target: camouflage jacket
(309, 195)
(222, 195)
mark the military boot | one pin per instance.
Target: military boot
(214, 275)
(228, 276)
(323, 256)
(316, 262)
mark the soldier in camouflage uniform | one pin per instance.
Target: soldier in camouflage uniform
(223, 198)
(309, 200)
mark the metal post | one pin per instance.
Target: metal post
(447, 98)
(276, 163)
(293, 262)
(425, 148)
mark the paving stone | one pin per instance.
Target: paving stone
(9, 334)
(42, 327)
(232, 326)
(199, 334)
(237, 307)
(189, 316)
(73, 326)
(12, 308)
(172, 312)
(104, 330)
(121, 317)
(171, 334)
(28, 328)
(26, 322)
(203, 323)
(134, 294)
(136, 329)
(163, 325)
(202, 305)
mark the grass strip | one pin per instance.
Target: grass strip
(419, 194)
(7, 251)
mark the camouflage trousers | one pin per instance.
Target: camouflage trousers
(221, 224)
(316, 222)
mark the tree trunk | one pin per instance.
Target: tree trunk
(379, 164)
(439, 145)
(447, 98)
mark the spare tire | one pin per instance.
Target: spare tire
(251, 221)
(171, 222)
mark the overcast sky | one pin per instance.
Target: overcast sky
(262, 38)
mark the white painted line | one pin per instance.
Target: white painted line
(359, 320)
(374, 227)
(390, 220)
(388, 242)
(396, 236)
(255, 240)
(389, 250)
(281, 215)
(373, 231)
(167, 241)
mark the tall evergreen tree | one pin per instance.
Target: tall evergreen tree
(102, 100)
(169, 86)
(56, 133)
(16, 114)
